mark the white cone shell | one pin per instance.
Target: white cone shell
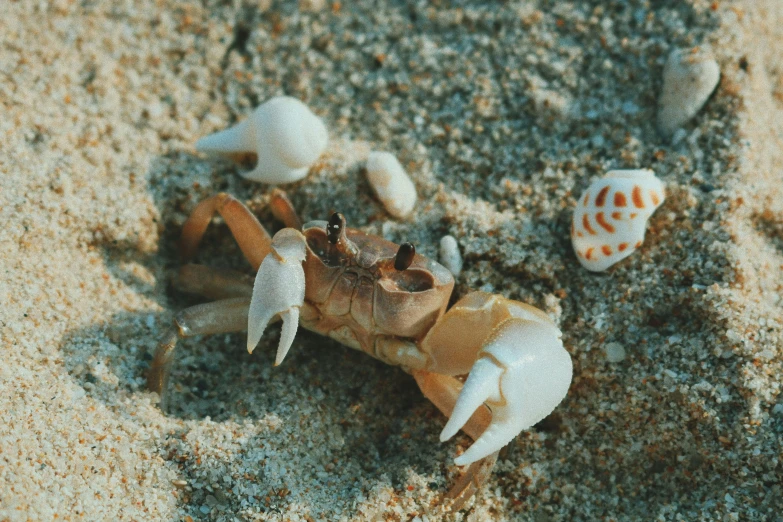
(390, 182)
(610, 218)
(689, 77)
(284, 133)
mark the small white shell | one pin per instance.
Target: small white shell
(390, 182)
(449, 255)
(689, 77)
(610, 218)
(287, 137)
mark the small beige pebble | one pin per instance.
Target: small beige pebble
(615, 352)
(450, 256)
(180, 483)
(689, 77)
(390, 182)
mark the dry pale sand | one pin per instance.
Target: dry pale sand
(503, 112)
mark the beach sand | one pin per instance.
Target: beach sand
(502, 113)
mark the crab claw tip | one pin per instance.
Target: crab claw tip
(461, 461)
(482, 384)
(254, 333)
(290, 322)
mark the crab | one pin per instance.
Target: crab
(389, 302)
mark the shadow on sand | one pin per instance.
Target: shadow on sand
(326, 404)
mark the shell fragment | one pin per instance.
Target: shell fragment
(689, 77)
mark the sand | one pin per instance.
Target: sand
(502, 113)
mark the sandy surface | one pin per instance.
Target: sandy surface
(503, 113)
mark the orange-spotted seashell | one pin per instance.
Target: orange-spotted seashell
(610, 218)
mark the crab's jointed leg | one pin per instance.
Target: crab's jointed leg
(225, 316)
(233, 289)
(283, 209)
(279, 289)
(213, 283)
(517, 367)
(442, 391)
(251, 236)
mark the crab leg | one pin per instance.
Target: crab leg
(279, 289)
(283, 209)
(213, 283)
(253, 239)
(228, 315)
(442, 391)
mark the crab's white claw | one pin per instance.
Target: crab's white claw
(279, 289)
(522, 373)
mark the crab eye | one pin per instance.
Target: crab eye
(404, 256)
(335, 227)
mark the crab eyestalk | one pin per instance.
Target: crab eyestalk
(404, 256)
(338, 243)
(335, 228)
